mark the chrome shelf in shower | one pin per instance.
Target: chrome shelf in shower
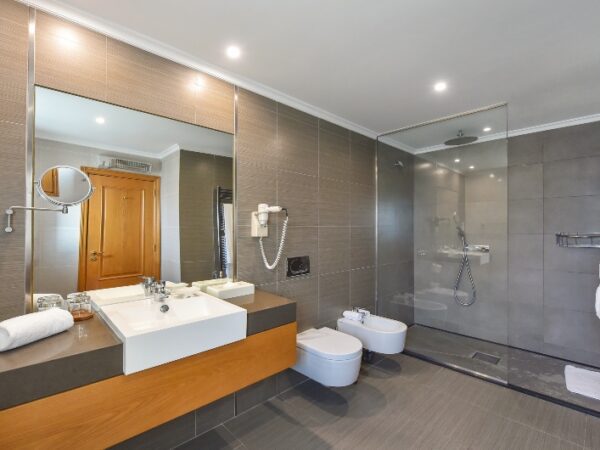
(590, 240)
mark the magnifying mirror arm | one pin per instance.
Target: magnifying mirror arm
(10, 211)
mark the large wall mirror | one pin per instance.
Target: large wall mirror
(162, 204)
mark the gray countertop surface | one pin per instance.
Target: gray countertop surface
(90, 352)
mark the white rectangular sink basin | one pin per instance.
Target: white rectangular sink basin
(231, 289)
(191, 325)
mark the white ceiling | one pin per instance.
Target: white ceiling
(373, 63)
(69, 118)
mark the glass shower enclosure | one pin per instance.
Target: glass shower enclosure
(442, 217)
(442, 255)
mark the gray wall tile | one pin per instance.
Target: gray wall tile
(526, 149)
(570, 290)
(572, 329)
(299, 194)
(288, 379)
(334, 152)
(526, 326)
(334, 296)
(525, 182)
(287, 157)
(362, 247)
(362, 156)
(334, 249)
(572, 177)
(526, 251)
(362, 288)
(525, 216)
(305, 292)
(572, 214)
(572, 142)
(297, 138)
(167, 435)
(334, 203)
(362, 205)
(526, 286)
(255, 394)
(254, 184)
(214, 414)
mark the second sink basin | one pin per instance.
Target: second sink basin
(191, 325)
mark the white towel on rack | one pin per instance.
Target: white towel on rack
(22, 330)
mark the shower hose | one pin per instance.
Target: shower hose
(465, 264)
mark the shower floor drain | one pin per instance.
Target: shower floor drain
(486, 358)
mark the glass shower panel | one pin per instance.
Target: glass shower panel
(459, 212)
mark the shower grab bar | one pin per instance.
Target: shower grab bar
(589, 240)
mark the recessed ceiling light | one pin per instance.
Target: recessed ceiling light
(492, 175)
(100, 120)
(486, 129)
(457, 160)
(440, 86)
(471, 167)
(233, 52)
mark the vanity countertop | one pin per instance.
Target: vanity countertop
(90, 352)
(85, 353)
(265, 310)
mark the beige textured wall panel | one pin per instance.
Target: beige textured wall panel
(12, 192)
(69, 57)
(214, 104)
(13, 54)
(14, 19)
(146, 82)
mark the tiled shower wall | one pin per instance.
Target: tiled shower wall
(554, 186)
(325, 176)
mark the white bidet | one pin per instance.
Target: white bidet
(377, 334)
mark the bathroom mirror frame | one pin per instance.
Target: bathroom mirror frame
(40, 189)
(31, 185)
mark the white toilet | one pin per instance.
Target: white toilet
(328, 356)
(377, 334)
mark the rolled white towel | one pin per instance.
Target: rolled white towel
(22, 330)
(352, 315)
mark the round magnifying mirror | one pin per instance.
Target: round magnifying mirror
(64, 186)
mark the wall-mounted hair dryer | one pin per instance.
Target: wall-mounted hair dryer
(260, 228)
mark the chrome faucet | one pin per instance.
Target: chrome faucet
(147, 283)
(159, 291)
(364, 313)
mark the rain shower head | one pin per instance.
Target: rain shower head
(461, 139)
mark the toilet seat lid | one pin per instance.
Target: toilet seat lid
(329, 344)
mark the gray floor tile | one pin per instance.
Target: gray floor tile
(274, 425)
(219, 438)
(402, 402)
(592, 435)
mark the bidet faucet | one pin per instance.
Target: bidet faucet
(364, 313)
